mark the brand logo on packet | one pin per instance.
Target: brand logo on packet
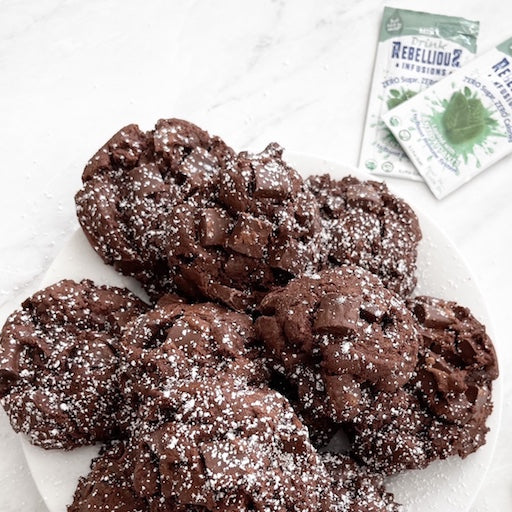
(394, 24)
(425, 55)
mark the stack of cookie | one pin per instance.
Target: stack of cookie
(280, 314)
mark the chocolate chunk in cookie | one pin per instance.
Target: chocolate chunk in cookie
(369, 227)
(59, 363)
(335, 333)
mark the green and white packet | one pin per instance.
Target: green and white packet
(461, 125)
(415, 50)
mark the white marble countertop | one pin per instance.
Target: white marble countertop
(298, 72)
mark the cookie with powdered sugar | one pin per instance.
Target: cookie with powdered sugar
(109, 484)
(263, 229)
(230, 448)
(178, 342)
(59, 363)
(336, 333)
(443, 410)
(131, 187)
(220, 448)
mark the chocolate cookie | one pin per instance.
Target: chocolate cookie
(225, 448)
(233, 450)
(59, 363)
(369, 227)
(112, 482)
(335, 333)
(176, 343)
(443, 410)
(131, 187)
(179, 210)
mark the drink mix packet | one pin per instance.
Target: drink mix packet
(415, 50)
(461, 125)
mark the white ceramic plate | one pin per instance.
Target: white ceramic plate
(446, 485)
